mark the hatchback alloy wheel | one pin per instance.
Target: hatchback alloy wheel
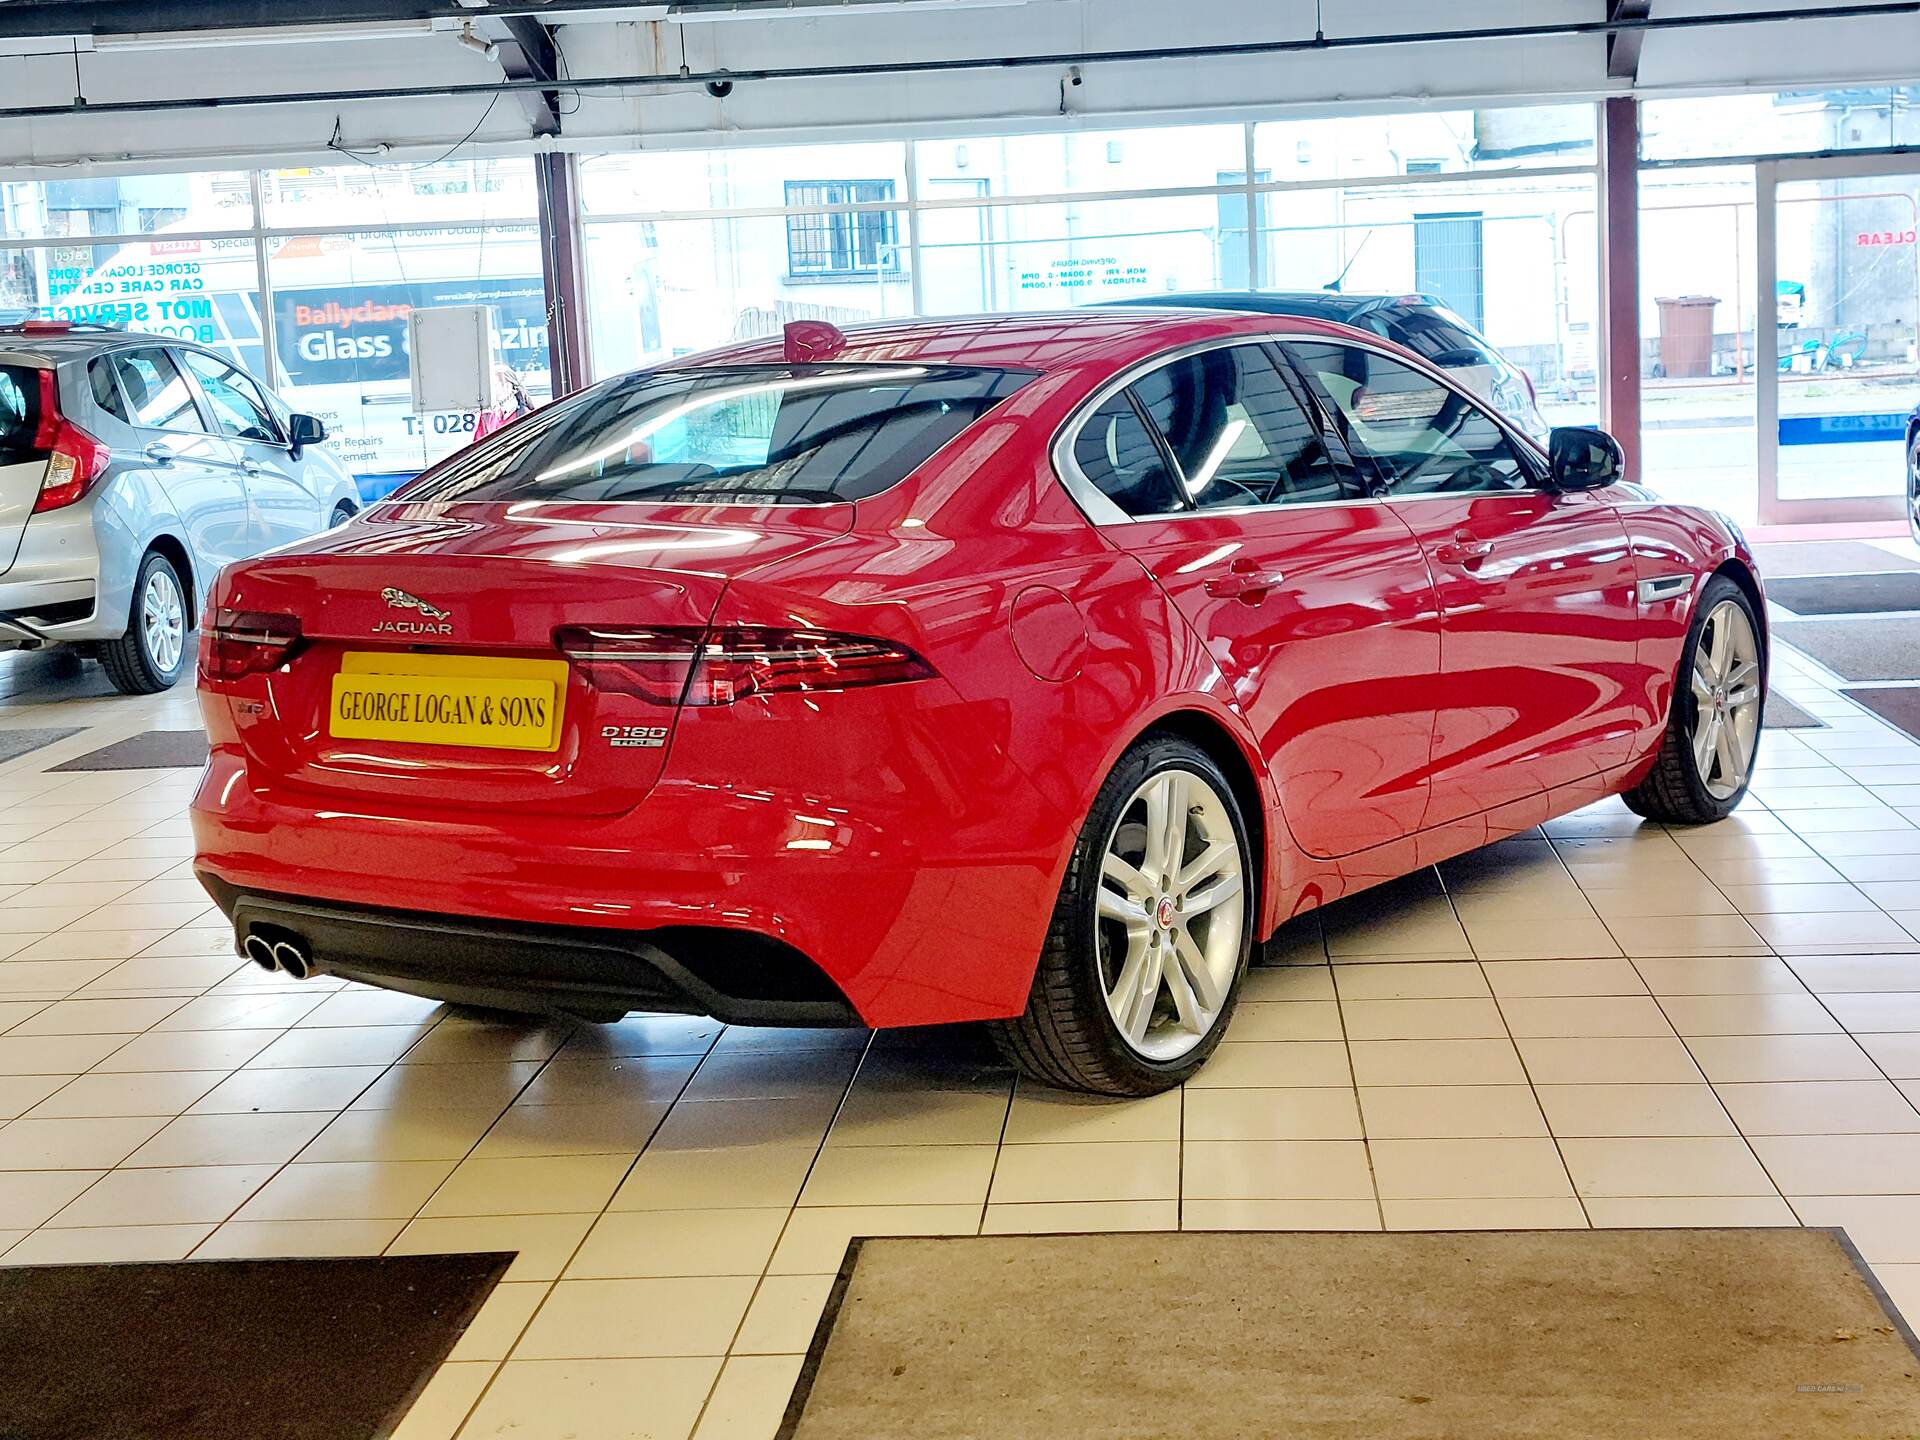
(163, 620)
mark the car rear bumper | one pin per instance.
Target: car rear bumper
(573, 971)
(920, 886)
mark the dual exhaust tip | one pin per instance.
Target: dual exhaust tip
(289, 956)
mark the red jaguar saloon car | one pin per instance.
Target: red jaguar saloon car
(1017, 669)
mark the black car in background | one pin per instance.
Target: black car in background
(1419, 322)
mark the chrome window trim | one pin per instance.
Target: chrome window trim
(1101, 511)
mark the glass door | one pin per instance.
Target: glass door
(1837, 347)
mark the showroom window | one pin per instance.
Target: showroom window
(840, 242)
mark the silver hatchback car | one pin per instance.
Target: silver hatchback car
(132, 467)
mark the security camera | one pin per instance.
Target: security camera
(719, 89)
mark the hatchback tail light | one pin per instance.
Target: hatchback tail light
(246, 642)
(74, 458)
(670, 665)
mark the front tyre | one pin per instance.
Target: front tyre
(1713, 727)
(152, 653)
(1151, 935)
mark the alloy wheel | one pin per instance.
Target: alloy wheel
(1727, 690)
(163, 620)
(1170, 912)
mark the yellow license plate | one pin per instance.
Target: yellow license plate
(481, 700)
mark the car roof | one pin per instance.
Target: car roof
(56, 345)
(1044, 340)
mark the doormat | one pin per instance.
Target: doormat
(1783, 714)
(149, 750)
(15, 743)
(1847, 594)
(1824, 557)
(1882, 648)
(1898, 705)
(1498, 1335)
(230, 1349)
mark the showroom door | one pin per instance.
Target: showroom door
(1315, 602)
(1838, 243)
(1539, 618)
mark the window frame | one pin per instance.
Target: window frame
(841, 224)
(1532, 464)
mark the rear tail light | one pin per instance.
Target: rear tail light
(246, 642)
(671, 665)
(74, 458)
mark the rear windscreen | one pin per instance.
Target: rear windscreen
(789, 435)
(19, 411)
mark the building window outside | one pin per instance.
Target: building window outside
(840, 242)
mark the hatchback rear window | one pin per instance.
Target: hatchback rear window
(787, 435)
(1435, 334)
(19, 411)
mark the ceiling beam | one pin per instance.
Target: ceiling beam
(525, 49)
(82, 18)
(1623, 46)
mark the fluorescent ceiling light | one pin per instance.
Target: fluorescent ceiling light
(816, 9)
(260, 35)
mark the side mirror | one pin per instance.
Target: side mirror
(1584, 458)
(304, 430)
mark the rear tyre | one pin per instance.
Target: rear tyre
(342, 513)
(1151, 935)
(153, 652)
(1713, 728)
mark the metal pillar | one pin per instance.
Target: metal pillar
(563, 267)
(1620, 275)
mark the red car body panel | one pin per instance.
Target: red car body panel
(1384, 705)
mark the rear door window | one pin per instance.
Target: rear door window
(1237, 431)
(786, 435)
(1119, 454)
(105, 389)
(157, 393)
(19, 412)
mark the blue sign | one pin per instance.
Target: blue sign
(1843, 429)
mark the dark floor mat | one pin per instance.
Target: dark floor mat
(1898, 705)
(15, 743)
(1825, 557)
(1885, 647)
(1847, 594)
(1783, 714)
(149, 750)
(230, 1349)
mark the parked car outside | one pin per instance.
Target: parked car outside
(1419, 322)
(132, 467)
(1912, 503)
(1022, 669)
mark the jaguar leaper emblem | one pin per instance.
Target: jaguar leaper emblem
(398, 599)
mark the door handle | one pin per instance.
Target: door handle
(1246, 582)
(1463, 550)
(158, 453)
(250, 468)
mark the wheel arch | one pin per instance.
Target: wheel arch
(1737, 571)
(1206, 731)
(177, 556)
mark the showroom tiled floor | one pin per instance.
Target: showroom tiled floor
(1602, 1024)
